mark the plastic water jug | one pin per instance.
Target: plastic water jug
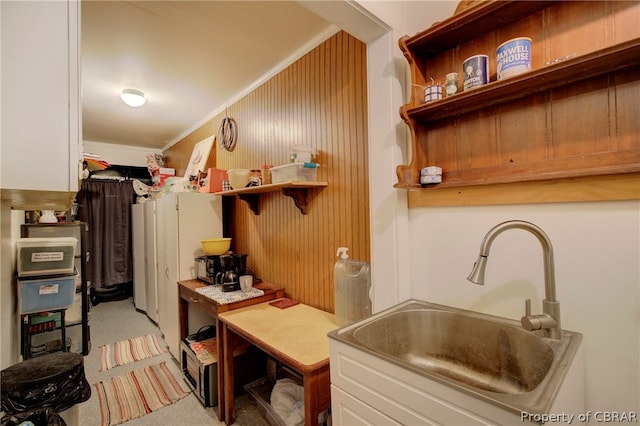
(352, 285)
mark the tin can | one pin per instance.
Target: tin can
(476, 71)
(432, 93)
(513, 57)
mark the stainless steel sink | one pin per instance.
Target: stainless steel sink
(489, 356)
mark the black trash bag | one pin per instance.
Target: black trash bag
(55, 381)
(41, 417)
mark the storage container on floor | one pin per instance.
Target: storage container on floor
(45, 256)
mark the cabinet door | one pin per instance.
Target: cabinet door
(139, 275)
(168, 319)
(40, 103)
(150, 260)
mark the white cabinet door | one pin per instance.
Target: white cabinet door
(41, 124)
(139, 268)
(182, 221)
(151, 260)
(167, 234)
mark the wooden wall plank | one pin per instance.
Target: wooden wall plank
(319, 101)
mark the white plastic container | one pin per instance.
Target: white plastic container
(45, 256)
(46, 294)
(352, 286)
(295, 172)
(302, 154)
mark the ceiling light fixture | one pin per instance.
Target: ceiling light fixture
(132, 97)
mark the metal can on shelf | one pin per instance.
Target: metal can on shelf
(476, 71)
(513, 57)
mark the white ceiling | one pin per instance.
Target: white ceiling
(189, 57)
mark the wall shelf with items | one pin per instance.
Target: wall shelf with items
(567, 120)
(298, 191)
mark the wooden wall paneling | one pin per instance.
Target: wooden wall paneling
(522, 136)
(627, 104)
(625, 21)
(442, 146)
(479, 127)
(578, 27)
(580, 119)
(319, 101)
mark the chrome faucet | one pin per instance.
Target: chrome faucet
(549, 321)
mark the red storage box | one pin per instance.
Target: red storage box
(213, 181)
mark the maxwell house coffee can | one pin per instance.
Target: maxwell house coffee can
(513, 57)
(476, 71)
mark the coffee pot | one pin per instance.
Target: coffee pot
(228, 277)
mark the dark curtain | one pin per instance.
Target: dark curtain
(106, 206)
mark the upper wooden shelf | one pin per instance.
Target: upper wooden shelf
(570, 123)
(297, 190)
(604, 61)
(471, 23)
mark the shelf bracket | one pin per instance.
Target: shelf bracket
(253, 201)
(299, 196)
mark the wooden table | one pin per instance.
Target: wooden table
(295, 336)
(188, 294)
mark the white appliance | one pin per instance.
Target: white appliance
(182, 220)
(139, 273)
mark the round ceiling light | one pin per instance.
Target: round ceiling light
(132, 97)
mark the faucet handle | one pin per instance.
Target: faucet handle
(535, 322)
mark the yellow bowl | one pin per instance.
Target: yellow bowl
(216, 245)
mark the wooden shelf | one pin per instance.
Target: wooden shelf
(615, 58)
(298, 191)
(470, 23)
(525, 130)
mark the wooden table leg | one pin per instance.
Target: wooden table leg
(317, 394)
(220, 368)
(227, 389)
(183, 315)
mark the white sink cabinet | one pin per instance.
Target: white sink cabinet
(368, 390)
(41, 116)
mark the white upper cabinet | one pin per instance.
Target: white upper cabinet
(41, 115)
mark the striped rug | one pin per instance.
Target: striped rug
(131, 350)
(137, 393)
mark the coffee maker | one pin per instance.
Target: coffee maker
(233, 266)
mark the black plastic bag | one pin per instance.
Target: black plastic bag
(42, 417)
(55, 381)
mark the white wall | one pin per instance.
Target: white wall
(597, 253)
(121, 155)
(426, 253)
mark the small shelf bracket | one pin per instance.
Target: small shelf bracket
(253, 201)
(299, 196)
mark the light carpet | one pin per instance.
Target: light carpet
(130, 350)
(137, 393)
